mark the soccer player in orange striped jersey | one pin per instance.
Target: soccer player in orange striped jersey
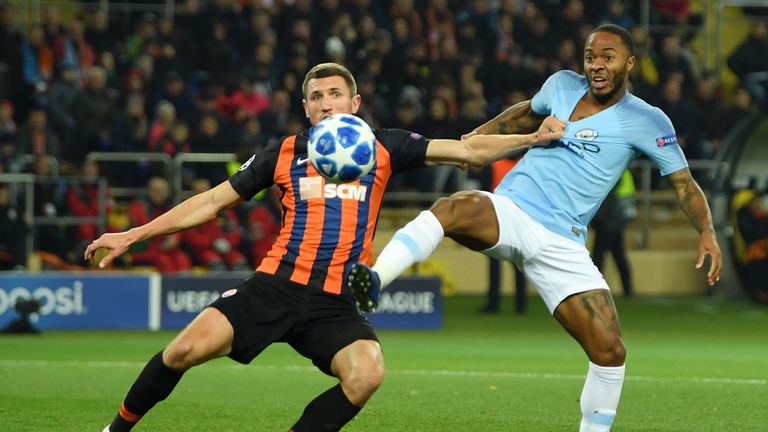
(296, 295)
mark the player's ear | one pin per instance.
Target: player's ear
(304, 104)
(630, 63)
(356, 101)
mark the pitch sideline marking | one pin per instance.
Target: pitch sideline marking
(411, 372)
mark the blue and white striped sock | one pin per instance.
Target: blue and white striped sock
(600, 397)
(411, 244)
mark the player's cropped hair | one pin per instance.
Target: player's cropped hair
(325, 70)
(626, 37)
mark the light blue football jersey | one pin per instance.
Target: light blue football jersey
(562, 185)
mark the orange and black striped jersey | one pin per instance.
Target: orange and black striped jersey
(326, 227)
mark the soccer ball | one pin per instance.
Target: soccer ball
(342, 148)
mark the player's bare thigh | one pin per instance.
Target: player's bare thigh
(360, 368)
(469, 218)
(207, 337)
(591, 318)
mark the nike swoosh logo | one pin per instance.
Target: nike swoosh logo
(300, 161)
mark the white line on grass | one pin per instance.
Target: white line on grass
(411, 372)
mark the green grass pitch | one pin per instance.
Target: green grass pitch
(693, 365)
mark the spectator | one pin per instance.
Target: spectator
(674, 12)
(7, 124)
(753, 225)
(12, 85)
(572, 21)
(242, 103)
(707, 116)
(220, 56)
(131, 129)
(49, 202)
(739, 109)
(674, 62)
(750, 63)
(252, 137)
(189, 22)
(279, 112)
(610, 223)
(83, 200)
(37, 57)
(61, 96)
(211, 137)
(490, 177)
(36, 138)
(259, 70)
(112, 83)
(97, 32)
(678, 110)
(165, 116)
(163, 253)
(617, 14)
(52, 27)
(71, 49)
(215, 243)
(13, 232)
(176, 141)
(262, 229)
(174, 91)
(374, 109)
(8, 152)
(94, 112)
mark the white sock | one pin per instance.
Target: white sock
(600, 397)
(411, 244)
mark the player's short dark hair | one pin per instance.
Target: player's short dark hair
(325, 70)
(621, 32)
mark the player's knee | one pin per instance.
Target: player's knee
(181, 354)
(363, 381)
(612, 354)
(451, 211)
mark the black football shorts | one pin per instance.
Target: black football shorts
(265, 309)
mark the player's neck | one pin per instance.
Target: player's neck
(607, 102)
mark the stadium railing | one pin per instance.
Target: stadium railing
(133, 158)
(182, 159)
(22, 188)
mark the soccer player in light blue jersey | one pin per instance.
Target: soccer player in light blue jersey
(538, 215)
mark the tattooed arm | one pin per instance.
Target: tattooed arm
(695, 206)
(517, 119)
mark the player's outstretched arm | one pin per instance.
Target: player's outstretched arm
(695, 206)
(191, 212)
(484, 149)
(517, 119)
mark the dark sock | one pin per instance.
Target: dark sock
(327, 412)
(154, 384)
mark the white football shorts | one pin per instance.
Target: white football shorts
(557, 266)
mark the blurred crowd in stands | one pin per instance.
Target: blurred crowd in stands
(225, 76)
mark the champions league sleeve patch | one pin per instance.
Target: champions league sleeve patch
(666, 141)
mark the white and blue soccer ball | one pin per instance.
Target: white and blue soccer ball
(342, 148)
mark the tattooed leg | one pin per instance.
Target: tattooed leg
(590, 317)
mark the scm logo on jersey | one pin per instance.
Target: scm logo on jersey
(314, 187)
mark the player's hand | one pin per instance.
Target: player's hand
(551, 129)
(708, 246)
(116, 243)
(469, 135)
